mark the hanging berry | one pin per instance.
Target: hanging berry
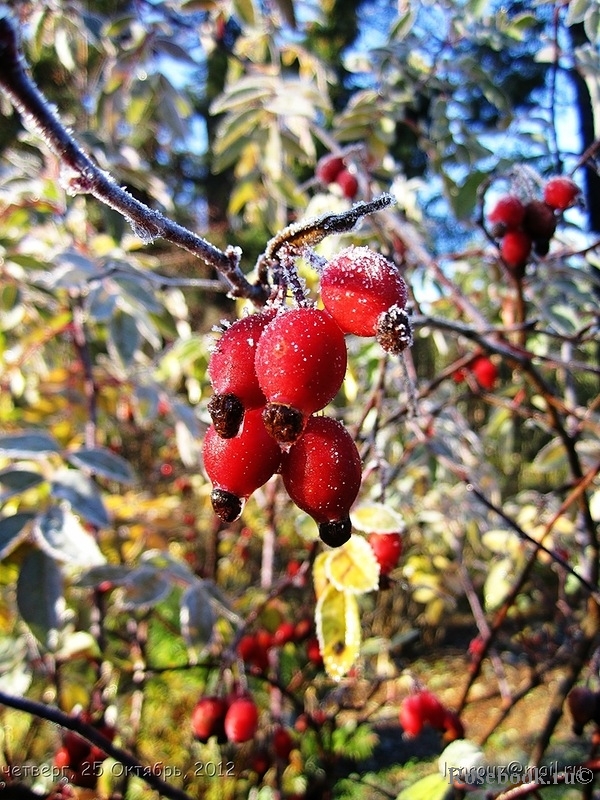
(322, 473)
(232, 375)
(366, 295)
(239, 465)
(300, 364)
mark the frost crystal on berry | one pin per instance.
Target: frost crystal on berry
(394, 331)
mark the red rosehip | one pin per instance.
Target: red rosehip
(347, 183)
(62, 758)
(208, 718)
(300, 363)
(313, 651)
(539, 222)
(387, 548)
(232, 375)
(411, 716)
(241, 720)
(583, 706)
(433, 711)
(328, 168)
(561, 193)
(285, 633)
(452, 727)
(240, 465)
(322, 473)
(515, 249)
(357, 286)
(508, 212)
(283, 744)
(485, 372)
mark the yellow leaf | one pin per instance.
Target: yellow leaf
(376, 518)
(353, 567)
(319, 572)
(338, 631)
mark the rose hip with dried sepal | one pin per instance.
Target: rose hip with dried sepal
(232, 375)
(238, 466)
(322, 473)
(300, 363)
(366, 295)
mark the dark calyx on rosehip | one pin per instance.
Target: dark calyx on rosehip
(394, 331)
(239, 465)
(322, 473)
(300, 364)
(232, 374)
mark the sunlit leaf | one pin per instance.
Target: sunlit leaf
(81, 492)
(498, 583)
(338, 631)
(13, 530)
(40, 596)
(320, 580)
(197, 616)
(33, 444)
(431, 787)
(61, 536)
(376, 518)
(353, 567)
(104, 462)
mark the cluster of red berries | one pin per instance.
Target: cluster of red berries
(424, 708)
(231, 719)
(273, 370)
(332, 169)
(525, 226)
(78, 759)
(254, 648)
(584, 705)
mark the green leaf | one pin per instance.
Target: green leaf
(111, 574)
(33, 444)
(18, 481)
(124, 338)
(197, 616)
(40, 596)
(376, 518)
(60, 535)
(498, 583)
(431, 787)
(102, 461)
(353, 567)
(338, 631)
(143, 588)
(13, 532)
(82, 494)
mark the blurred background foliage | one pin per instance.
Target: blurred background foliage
(217, 113)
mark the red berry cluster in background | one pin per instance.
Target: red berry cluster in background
(424, 708)
(77, 758)
(526, 226)
(483, 370)
(332, 169)
(273, 370)
(231, 719)
(253, 648)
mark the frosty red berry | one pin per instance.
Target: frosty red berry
(561, 193)
(300, 364)
(322, 474)
(359, 287)
(239, 465)
(232, 375)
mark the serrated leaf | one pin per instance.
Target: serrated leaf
(104, 462)
(18, 481)
(13, 532)
(82, 494)
(338, 631)
(40, 596)
(32, 444)
(353, 567)
(60, 535)
(197, 616)
(143, 587)
(431, 787)
(376, 518)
